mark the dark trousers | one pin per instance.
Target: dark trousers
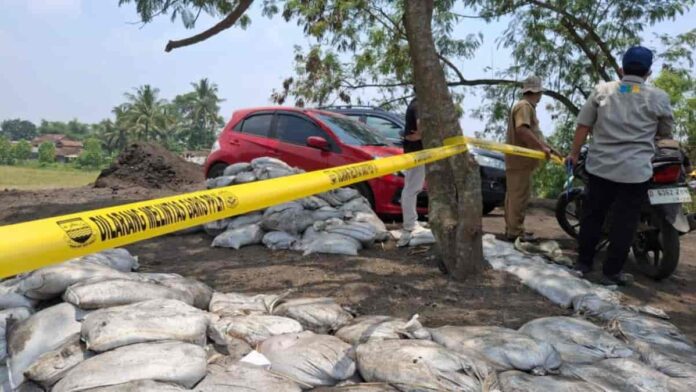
(625, 201)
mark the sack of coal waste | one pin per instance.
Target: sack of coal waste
(244, 177)
(313, 203)
(200, 291)
(15, 300)
(289, 217)
(117, 292)
(326, 213)
(180, 363)
(361, 387)
(119, 259)
(262, 162)
(219, 182)
(140, 386)
(148, 321)
(42, 332)
(52, 281)
(236, 168)
(237, 304)
(8, 316)
(253, 329)
(667, 362)
(420, 365)
(362, 232)
(280, 240)
(624, 374)
(320, 315)
(359, 204)
(241, 377)
(215, 228)
(577, 340)
(365, 328)
(310, 359)
(236, 238)
(516, 381)
(505, 348)
(329, 243)
(52, 366)
(374, 221)
(239, 221)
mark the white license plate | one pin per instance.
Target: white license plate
(669, 195)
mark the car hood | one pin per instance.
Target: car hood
(380, 151)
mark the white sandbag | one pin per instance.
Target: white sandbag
(280, 240)
(505, 348)
(236, 304)
(244, 220)
(200, 291)
(117, 292)
(365, 328)
(237, 168)
(320, 315)
(419, 365)
(253, 329)
(263, 162)
(119, 259)
(240, 377)
(376, 223)
(624, 374)
(362, 232)
(313, 203)
(236, 238)
(346, 194)
(577, 340)
(331, 244)
(53, 365)
(310, 359)
(15, 300)
(666, 362)
(51, 282)
(325, 213)
(139, 386)
(153, 320)
(42, 332)
(268, 172)
(516, 381)
(215, 228)
(16, 315)
(362, 387)
(181, 363)
(359, 204)
(245, 177)
(288, 217)
(220, 182)
(331, 198)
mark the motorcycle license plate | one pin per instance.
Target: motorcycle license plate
(669, 195)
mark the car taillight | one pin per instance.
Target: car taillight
(667, 174)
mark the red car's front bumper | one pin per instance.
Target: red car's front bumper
(387, 195)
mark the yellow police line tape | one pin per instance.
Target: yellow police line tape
(30, 245)
(504, 148)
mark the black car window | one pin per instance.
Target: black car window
(352, 132)
(387, 128)
(296, 130)
(259, 125)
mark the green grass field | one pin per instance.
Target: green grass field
(18, 177)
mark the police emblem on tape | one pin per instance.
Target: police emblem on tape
(230, 199)
(78, 232)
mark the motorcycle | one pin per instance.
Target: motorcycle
(656, 244)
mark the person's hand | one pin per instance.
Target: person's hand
(547, 151)
(571, 160)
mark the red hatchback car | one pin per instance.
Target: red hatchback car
(310, 139)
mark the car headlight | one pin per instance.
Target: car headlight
(483, 160)
(216, 146)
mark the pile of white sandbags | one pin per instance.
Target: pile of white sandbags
(339, 221)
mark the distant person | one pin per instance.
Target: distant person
(625, 118)
(523, 130)
(414, 178)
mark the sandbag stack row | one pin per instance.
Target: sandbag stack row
(339, 221)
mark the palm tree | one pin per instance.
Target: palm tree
(144, 114)
(202, 110)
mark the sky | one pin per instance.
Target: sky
(65, 59)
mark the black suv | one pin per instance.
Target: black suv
(391, 125)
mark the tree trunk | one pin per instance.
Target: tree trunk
(454, 185)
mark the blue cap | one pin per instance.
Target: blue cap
(638, 58)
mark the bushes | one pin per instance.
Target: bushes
(47, 153)
(92, 156)
(6, 156)
(549, 180)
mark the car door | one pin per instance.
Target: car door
(252, 137)
(292, 131)
(386, 127)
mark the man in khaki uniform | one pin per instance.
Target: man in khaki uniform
(523, 131)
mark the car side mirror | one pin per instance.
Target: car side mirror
(318, 143)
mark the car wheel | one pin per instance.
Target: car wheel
(488, 208)
(365, 191)
(217, 170)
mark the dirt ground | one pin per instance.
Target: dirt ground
(382, 280)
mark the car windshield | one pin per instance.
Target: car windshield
(352, 132)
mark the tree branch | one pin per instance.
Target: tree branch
(224, 24)
(575, 37)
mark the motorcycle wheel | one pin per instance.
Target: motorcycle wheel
(657, 251)
(569, 210)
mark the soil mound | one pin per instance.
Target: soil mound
(149, 165)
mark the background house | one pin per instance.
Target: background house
(66, 148)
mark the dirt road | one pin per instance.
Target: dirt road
(382, 280)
